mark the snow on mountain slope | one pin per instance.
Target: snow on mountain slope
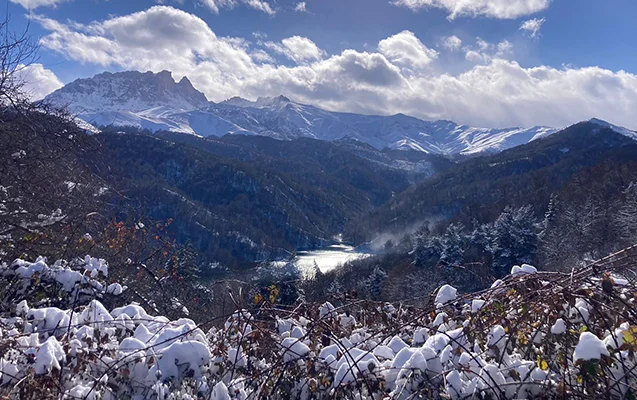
(129, 91)
(618, 129)
(156, 102)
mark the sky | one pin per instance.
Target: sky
(491, 63)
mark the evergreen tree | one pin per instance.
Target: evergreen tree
(514, 239)
(375, 282)
(627, 214)
(426, 247)
(453, 244)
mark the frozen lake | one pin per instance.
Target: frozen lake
(327, 258)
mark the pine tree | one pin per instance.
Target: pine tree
(514, 239)
(375, 282)
(453, 244)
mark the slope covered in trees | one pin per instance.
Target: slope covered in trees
(235, 200)
(482, 187)
(558, 202)
(243, 199)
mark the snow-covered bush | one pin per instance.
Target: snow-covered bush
(531, 335)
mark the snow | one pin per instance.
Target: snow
(115, 289)
(179, 355)
(396, 344)
(581, 310)
(496, 334)
(524, 269)
(48, 319)
(157, 102)
(220, 392)
(326, 309)
(384, 352)
(440, 319)
(81, 392)
(148, 356)
(618, 129)
(454, 384)
(589, 347)
(559, 327)
(293, 349)
(96, 266)
(476, 305)
(420, 336)
(48, 356)
(445, 294)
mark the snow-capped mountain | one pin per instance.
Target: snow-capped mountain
(156, 101)
(618, 129)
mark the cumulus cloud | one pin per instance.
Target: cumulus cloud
(298, 49)
(452, 43)
(532, 26)
(261, 56)
(216, 5)
(502, 9)
(406, 50)
(33, 4)
(38, 81)
(300, 7)
(494, 92)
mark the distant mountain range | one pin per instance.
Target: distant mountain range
(156, 102)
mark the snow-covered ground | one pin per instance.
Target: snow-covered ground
(520, 339)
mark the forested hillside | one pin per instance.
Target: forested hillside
(235, 200)
(558, 202)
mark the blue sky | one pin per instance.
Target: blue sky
(483, 62)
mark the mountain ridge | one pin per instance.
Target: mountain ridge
(526, 174)
(155, 101)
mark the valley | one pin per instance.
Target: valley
(318, 200)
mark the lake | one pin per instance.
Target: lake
(327, 258)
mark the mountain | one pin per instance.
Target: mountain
(479, 188)
(242, 199)
(156, 102)
(131, 98)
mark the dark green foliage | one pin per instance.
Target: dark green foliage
(480, 188)
(242, 199)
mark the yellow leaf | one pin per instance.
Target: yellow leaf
(258, 298)
(542, 364)
(630, 336)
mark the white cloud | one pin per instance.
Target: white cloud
(533, 26)
(452, 43)
(298, 49)
(477, 57)
(216, 5)
(300, 7)
(496, 92)
(33, 4)
(484, 52)
(482, 44)
(503, 9)
(261, 56)
(406, 50)
(504, 47)
(38, 81)
(260, 35)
